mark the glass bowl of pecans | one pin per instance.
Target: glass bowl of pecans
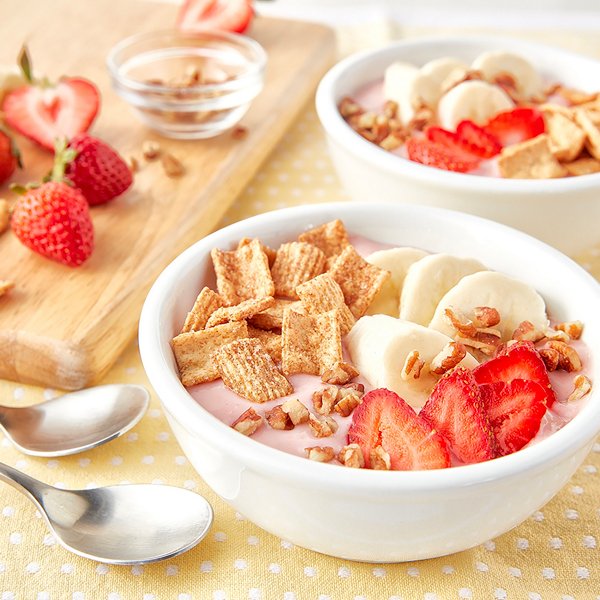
(188, 86)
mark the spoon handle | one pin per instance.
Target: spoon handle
(29, 486)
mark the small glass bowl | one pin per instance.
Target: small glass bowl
(188, 86)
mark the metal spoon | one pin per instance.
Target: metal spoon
(74, 422)
(120, 524)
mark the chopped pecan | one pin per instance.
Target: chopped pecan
(555, 334)
(581, 386)
(461, 323)
(277, 418)
(151, 150)
(412, 366)
(572, 328)
(248, 422)
(390, 109)
(239, 133)
(526, 332)
(172, 166)
(380, 459)
(486, 343)
(340, 374)
(347, 404)
(349, 388)
(392, 141)
(349, 108)
(450, 355)
(323, 427)
(568, 358)
(550, 357)
(320, 453)
(297, 412)
(485, 316)
(324, 400)
(423, 116)
(352, 456)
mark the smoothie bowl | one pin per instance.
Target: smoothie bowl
(263, 440)
(404, 124)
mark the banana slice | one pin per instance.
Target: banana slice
(527, 80)
(439, 70)
(473, 100)
(379, 345)
(409, 88)
(514, 300)
(397, 261)
(428, 280)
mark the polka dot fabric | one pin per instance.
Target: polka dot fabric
(554, 555)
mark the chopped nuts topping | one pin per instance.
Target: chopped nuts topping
(572, 328)
(323, 427)
(526, 332)
(172, 166)
(450, 355)
(380, 459)
(412, 366)
(553, 334)
(347, 404)
(151, 150)
(277, 418)
(324, 400)
(297, 412)
(352, 456)
(320, 453)
(486, 343)
(339, 374)
(581, 386)
(248, 422)
(550, 357)
(485, 317)
(464, 326)
(568, 358)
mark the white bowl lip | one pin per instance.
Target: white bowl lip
(287, 467)
(343, 134)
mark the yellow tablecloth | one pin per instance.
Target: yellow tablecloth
(553, 555)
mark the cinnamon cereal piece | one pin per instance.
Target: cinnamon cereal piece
(297, 412)
(194, 351)
(566, 138)
(324, 400)
(331, 238)
(380, 459)
(359, 280)
(581, 387)
(248, 422)
(205, 305)
(573, 329)
(450, 355)
(4, 215)
(550, 357)
(531, 159)
(250, 372)
(568, 358)
(526, 332)
(268, 251)
(320, 453)
(239, 312)
(585, 120)
(243, 273)
(312, 344)
(322, 427)
(272, 317)
(576, 97)
(5, 286)
(270, 340)
(339, 374)
(583, 166)
(278, 419)
(352, 456)
(412, 366)
(322, 294)
(295, 263)
(347, 403)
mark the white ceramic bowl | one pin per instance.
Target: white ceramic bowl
(562, 212)
(363, 514)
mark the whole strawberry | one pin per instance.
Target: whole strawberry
(10, 157)
(54, 221)
(93, 167)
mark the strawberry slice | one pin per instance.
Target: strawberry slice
(468, 138)
(435, 154)
(207, 15)
(384, 419)
(519, 361)
(455, 410)
(515, 411)
(44, 112)
(517, 125)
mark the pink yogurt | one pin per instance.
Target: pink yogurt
(227, 406)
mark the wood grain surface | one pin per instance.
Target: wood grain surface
(64, 327)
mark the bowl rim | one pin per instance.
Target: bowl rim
(255, 67)
(180, 405)
(337, 128)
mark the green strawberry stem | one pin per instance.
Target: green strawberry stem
(63, 155)
(24, 62)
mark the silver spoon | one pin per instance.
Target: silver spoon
(74, 422)
(119, 524)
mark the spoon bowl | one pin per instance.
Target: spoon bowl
(120, 524)
(75, 422)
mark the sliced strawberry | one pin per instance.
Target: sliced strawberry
(434, 154)
(515, 411)
(384, 419)
(516, 125)
(46, 112)
(207, 15)
(10, 157)
(520, 361)
(455, 410)
(477, 140)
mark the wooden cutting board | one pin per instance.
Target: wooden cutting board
(64, 327)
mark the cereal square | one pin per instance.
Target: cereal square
(331, 238)
(250, 372)
(243, 273)
(322, 294)
(587, 120)
(268, 251)
(239, 312)
(583, 166)
(206, 304)
(312, 344)
(270, 340)
(531, 159)
(359, 280)
(566, 138)
(194, 351)
(272, 318)
(295, 263)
